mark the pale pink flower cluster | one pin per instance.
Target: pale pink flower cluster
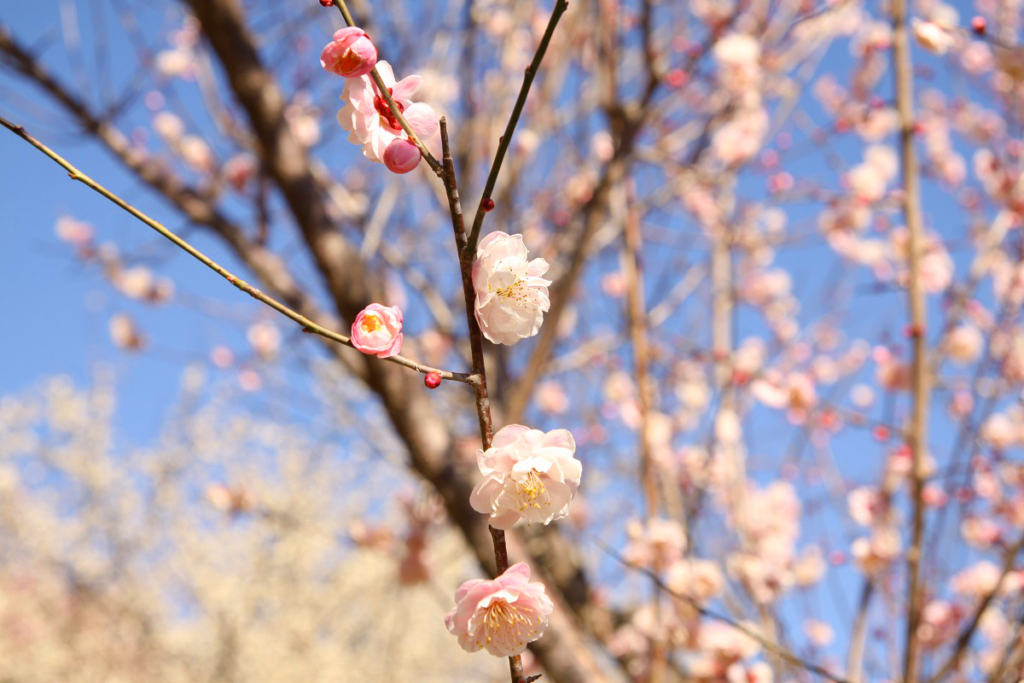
(655, 544)
(511, 294)
(768, 521)
(527, 475)
(371, 124)
(501, 616)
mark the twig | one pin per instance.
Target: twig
(517, 110)
(306, 324)
(769, 645)
(386, 96)
(476, 343)
(919, 369)
(965, 636)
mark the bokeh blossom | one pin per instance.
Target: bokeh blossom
(501, 616)
(527, 475)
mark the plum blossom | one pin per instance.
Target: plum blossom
(350, 53)
(511, 295)
(656, 544)
(377, 330)
(368, 119)
(502, 615)
(528, 474)
(401, 156)
(932, 37)
(698, 580)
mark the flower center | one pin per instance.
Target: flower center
(371, 323)
(385, 111)
(503, 621)
(531, 487)
(515, 291)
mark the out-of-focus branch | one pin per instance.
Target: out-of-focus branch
(517, 110)
(964, 639)
(769, 645)
(919, 370)
(859, 634)
(306, 324)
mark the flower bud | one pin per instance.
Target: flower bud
(401, 156)
(351, 53)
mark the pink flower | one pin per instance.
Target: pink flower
(401, 156)
(527, 475)
(350, 53)
(932, 36)
(369, 120)
(511, 295)
(377, 330)
(502, 615)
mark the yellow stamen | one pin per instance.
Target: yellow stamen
(532, 487)
(371, 323)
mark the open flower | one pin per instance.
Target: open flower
(368, 119)
(527, 475)
(511, 295)
(377, 330)
(502, 615)
(350, 53)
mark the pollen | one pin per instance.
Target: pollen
(532, 489)
(371, 323)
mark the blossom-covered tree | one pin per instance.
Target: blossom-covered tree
(732, 300)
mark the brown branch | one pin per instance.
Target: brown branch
(476, 344)
(919, 369)
(965, 636)
(510, 127)
(770, 646)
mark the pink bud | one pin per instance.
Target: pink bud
(350, 53)
(401, 156)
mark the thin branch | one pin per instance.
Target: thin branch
(965, 636)
(307, 325)
(476, 342)
(919, 369)
(517, 110)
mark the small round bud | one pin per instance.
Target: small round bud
(978, 25)
(401, 156)
(432, 380)
(327, 3)
(487, 205)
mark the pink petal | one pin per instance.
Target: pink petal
(406, 87)
(508, 435)
(422, 119)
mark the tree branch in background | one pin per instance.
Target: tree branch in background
(920, 380)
